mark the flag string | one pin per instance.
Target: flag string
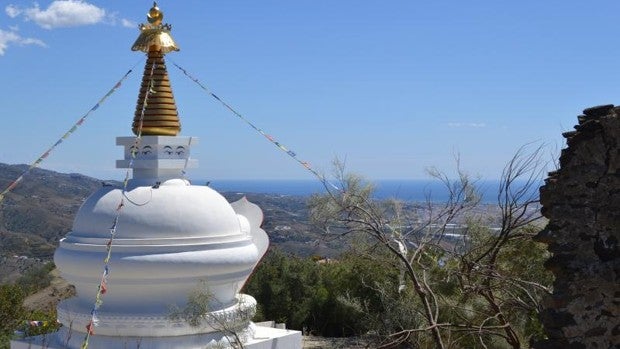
(270, 138)
(64, 137)
(102, 288)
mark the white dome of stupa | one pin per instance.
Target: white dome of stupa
(170, 237)
(174, 208)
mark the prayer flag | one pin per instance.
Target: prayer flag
(13, 185)
(91, 330)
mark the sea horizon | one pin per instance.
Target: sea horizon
(414, 190)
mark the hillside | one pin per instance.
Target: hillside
(40, 210)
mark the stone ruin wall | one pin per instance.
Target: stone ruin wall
(582, 202)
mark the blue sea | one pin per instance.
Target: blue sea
(407, 190)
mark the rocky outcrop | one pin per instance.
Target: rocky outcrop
(582, 202)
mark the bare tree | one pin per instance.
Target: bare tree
(481, 268)
(422, 240)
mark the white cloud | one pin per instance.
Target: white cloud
(467, 124)
(67, 13)
(32, 41)
(64, 13)
(128, 24)
(113, 19)
(11, 37)
(6, 38)
(12, 11)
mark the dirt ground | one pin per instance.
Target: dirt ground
(49, 297)
(312, 342)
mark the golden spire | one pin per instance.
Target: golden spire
(160, 111)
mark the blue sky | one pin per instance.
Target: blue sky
(394, 87)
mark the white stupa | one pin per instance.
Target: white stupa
(167, 239)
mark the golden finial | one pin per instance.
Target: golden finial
(155, 16)
(156, 111)
(155, 34)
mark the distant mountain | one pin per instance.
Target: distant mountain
(40, 210)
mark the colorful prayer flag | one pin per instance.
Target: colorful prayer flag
(90, 328)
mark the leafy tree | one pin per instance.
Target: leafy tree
(307, 294)
(286, 287)
(12, 313)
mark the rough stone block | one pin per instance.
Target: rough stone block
(582, 202)
(598, 110)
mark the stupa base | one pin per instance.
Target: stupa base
(253, 337)
(76, 315)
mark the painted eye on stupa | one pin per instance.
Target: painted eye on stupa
(146, 150)
(180, 150)
(168, 150)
